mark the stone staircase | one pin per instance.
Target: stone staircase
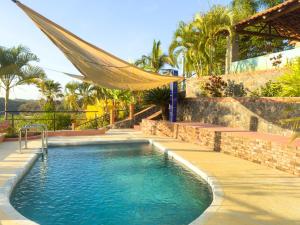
(150, 112)
(154, 116)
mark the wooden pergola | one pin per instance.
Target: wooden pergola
(281, 21)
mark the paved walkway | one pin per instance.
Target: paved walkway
(252, 194)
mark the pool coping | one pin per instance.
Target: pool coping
(6, 191)
(217, 192)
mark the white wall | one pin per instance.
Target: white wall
(264, 62)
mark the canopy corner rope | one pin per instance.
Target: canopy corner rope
(96, 65)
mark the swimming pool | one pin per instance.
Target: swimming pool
(110, 184)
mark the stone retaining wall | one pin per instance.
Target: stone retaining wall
(270, 153)
(256, 114)
(251, 80)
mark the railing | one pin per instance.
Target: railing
(101, 121)
(50, 118)
(60, 119)
(44, 136)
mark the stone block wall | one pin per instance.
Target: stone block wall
(255, 114)
(258, 150)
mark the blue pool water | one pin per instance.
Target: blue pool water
(115, 184)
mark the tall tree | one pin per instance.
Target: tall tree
(184, 47)
(51, 90)
(269, 3)
(86, 94)
(200, 42)
(156, 60)
(71, 95)
(15, 69)
(253, 46)
(243, 9)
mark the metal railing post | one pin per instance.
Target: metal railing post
(54, 121)
(20, 141)
(43, 141)
(12, 121)
(46, 136)
(96, 121)
(26, 139)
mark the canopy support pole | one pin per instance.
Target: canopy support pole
(173, 98)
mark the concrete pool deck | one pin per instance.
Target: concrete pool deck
(251, 194)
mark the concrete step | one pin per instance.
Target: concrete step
(137, 127)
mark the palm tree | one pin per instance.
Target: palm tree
(51, 90)
(86, 94)
(218, 20)
(156, 60)
(183, 46)
(71, 95)
(119, 97)
(15, 69)
(200, 44)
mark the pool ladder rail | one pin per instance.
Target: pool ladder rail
(44, 136)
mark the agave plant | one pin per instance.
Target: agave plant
(159, 97)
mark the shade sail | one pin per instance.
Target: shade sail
(96, 65)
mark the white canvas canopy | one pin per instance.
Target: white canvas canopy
(96, 65)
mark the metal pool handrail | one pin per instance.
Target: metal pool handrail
(44, 136)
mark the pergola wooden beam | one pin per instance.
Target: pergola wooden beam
(282, 21)
(260, 34)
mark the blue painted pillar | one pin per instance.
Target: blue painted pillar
(173, 99)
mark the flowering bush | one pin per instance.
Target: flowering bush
(215, 86)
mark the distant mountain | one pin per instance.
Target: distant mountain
(20, 104)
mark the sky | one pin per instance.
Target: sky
(125, 28)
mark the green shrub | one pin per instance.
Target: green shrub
(235, 90)
(270, 89)
(94, 124)
(290, 81)
(62, 120)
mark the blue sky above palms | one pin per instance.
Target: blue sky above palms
(126, 28)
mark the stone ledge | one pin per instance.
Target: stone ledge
(270, 150)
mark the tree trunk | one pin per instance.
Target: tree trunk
(232, 52)
(164, 112)
(6, 102)
(228, 55)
